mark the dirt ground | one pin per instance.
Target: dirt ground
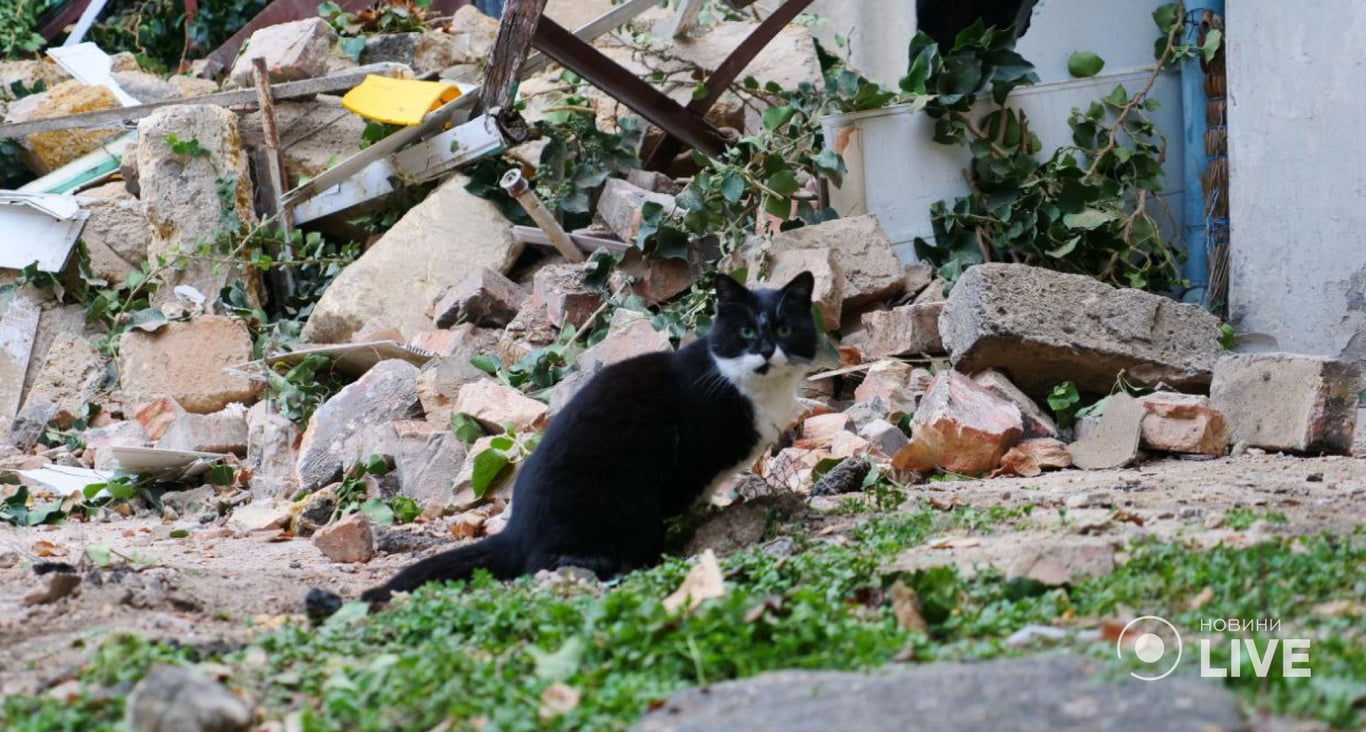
(218, 586)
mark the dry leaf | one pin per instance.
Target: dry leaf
(704, 582)
(1199, 600)
(965, 542)
(906, 608)
(557, 699)
(45, 548)
(941, 505)
(1129, 516)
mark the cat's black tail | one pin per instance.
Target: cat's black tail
(498, 554)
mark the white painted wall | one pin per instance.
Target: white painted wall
(1297, 176)
(904, 171)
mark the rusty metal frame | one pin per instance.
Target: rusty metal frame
(724, 75)
(654, 105)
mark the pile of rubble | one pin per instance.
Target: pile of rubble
(926, 381)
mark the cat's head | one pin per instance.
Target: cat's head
(760, 333)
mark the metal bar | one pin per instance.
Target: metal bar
(436, 120)
(724, 75)
(287, 90)
(68, 15)
(88, 16)
(515, 31)
(517, 187)
(652, 104)
(609, 20)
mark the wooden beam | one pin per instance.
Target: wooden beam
(288, 90)
(509, 52)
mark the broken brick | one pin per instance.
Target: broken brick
(1036, 423)
(1184, 423)
(960, 427)
(223, 431)
(560, 290)
(883, 435)
(483, 297)
(1029, 458)
(621, 207)
(349, 540)
(896, 385)
(824, 427)
(634, 338)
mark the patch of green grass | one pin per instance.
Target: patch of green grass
(484, 654)
(985, 520)
(1241, 519)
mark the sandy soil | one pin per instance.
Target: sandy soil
(217, 585)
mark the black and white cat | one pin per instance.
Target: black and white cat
(642, 441)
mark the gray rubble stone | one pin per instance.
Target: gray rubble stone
(861, 249)
(186, 360)
(1114, 441)
(386, 393)
(292, 51)
(1045, 693)
(1042, 327)
(1282, 401)
(450, 233)
(179, 699)
(180, 192)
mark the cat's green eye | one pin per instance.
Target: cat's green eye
(748, 333)
(784, 331)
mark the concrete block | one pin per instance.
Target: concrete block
(1281, 401)
(1042, 327)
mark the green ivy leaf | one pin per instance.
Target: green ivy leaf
(488, 466)
(487, 364)
(732, 187)
(783, 182)
(1165, 17)
(405, 509)
(1210, 47)
(352, 47)
(776, 117)
(378, 512)
(100, 554)
(1084, 64)
(1088, 219)
(466, 428)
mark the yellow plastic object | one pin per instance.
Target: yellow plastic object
(398, 101)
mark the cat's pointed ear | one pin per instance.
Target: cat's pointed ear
(727, 289)
(801, 286)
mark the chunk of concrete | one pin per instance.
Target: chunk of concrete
(1038, 693)
(223, 431)
(883, 435)
(828, 293)
(863, 252)
(427, 460)
(906, 330)
(440, 380)
(1282, 401)
(116, 235)
(334, 436)
(272, 453)
(181, 698)
(192, 198)
(483, 297)
(292, 51)
(71, 373)
(496, 406)
(960, 427)
(451, 232)
(1114, 441)
(633, 338)
(185, 360)
(1184, 423)
(1042, 327)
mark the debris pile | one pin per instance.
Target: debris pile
(412, 379)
